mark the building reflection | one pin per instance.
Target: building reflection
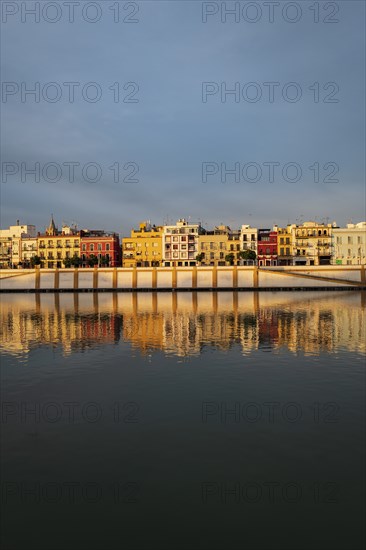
(186, 323)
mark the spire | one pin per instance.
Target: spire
(52, 229)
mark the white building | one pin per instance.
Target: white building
(10, 243)
(349, 244)
(180, 243)
(249, 238)
(28, 250)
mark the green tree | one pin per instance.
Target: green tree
(76, 261)
(93, 260)
(229, 258)
(35, 260)
(104, 262)
(247, 255)
(200, 257)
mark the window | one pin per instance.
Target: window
(99, 246)
(92, 247)
(282, 251)
(350, 240)
(83, 247)
(287, 240)
(287, 251)
(359, 240)
(107, 246)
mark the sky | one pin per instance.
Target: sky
(150, 132)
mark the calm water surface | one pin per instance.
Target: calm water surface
(213, 421)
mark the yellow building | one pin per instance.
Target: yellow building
(285, 245)
(54, 247)
(144, 247)
(214, 246)
(312, 243)
(307, 244)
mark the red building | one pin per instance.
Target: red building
(267, 247)
(100, 249)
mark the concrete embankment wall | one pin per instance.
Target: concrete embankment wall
(183, 278)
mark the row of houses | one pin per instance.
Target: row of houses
(189, 244)
(184, 244)
(22, 246)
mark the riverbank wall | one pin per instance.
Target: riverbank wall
(183, 278)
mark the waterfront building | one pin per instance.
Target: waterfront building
(99, 248)
(285, 244)
(10, 243)
(180, 243)
(312, 243)
(144, 247)
(215, 246)
(29, 248)
(58, 248)
(349, 244)
(249, 238)
(267, 247)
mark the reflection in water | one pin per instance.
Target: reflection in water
(184, 324)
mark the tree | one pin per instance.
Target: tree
(200, 257)
(247, 254)
(75, 261)
(35, 260)
(104, 262)
(93, 260)
(229, 258)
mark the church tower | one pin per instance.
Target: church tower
(51, 229)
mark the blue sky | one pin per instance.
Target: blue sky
(169, 132)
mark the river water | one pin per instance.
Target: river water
(183, 421)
